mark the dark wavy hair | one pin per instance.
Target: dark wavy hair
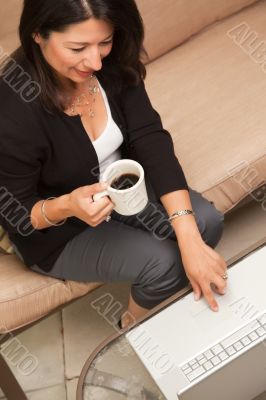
(124, 65)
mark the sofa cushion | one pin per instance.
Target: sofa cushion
(10, 14)
(8, 43)
(11, 10)
(169, 23)
(211, 96)
(26, 296)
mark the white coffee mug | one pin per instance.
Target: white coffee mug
(127, 201)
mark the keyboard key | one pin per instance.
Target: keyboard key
(223, 356)
(262, 319)
(261, 331)
(200, 357)
(196, 365)
(253, 336)
(186, 366)
(203, 361)
(238, 346)
(215, 360)
(208, 365)
(196, 373)
(217, 349)
(244, 331)
(245, 341)
(230, 350)
(208, 354)
(187, 371)
(192, 362)
(255, 325)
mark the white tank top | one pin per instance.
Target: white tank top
(108, 143)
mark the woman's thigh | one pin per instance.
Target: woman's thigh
(127, 248)
(141, 249)
(112, 252)
(154, 218)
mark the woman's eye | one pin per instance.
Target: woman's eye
(78, 50)
(106, 43)
(101, 44)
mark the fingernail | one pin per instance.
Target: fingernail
(104, 184)
(196, 296)
(215, 308)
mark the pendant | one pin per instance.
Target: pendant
(93, 90)
(82, 100)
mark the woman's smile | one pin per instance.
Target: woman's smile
(83, 74)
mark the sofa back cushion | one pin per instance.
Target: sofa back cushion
(210, 94)
(170, 22)
(10, 14)
(167, 22)
(11, 11)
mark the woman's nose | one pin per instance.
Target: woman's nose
(94, 60)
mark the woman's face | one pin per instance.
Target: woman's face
(77, 52)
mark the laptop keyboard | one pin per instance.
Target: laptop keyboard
(227, 348)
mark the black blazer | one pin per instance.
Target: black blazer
(43, 155)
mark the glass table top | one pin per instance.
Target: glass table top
(129, 378)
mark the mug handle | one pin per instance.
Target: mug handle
(98, 196)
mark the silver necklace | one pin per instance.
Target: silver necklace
(82, 100)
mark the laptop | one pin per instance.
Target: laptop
(193, 353)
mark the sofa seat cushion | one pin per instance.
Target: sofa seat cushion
(26, 296)
(211, 96)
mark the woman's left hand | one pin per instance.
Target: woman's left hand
(203, 267)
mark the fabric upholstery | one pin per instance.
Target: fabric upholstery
(216, 112)
(26, 296)
(10, 13)
(170, 22)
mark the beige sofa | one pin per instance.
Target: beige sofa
(206, 77)
(210, 92)
(208, 89)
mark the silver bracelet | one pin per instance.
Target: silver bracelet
(180, 213)
(45, 216)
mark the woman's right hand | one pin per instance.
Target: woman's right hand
(82, 206)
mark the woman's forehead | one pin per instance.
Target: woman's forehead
(89, 31)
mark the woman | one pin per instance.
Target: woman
(72, 101)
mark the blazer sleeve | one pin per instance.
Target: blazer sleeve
(150, 144)
(20, 168)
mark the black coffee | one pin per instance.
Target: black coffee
(124, 181)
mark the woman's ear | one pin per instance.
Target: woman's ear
(36, 38)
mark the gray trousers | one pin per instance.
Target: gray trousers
(140, 249)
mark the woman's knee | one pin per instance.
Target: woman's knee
(213, 225)
(164, 277)
(210, 221)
